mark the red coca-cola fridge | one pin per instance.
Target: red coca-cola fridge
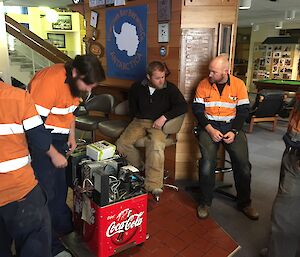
(116, 227)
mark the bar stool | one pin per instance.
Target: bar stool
(96, 106)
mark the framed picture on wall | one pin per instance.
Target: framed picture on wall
(64, 22)
(109, 2)
(163, 10)
(58, 40)
(225, 39)
(94, 19)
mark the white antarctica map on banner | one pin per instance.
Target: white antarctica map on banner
(128, 39)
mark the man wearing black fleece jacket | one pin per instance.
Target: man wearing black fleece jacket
(152, 102)
(221, 106)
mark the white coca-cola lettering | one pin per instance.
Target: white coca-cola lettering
(133, 221)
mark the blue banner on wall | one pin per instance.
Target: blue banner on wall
(126, 42)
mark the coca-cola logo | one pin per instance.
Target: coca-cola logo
(125, 225)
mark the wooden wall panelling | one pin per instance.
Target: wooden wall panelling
(171, 59)
(206, 16)
(209, 2)
(210, 16)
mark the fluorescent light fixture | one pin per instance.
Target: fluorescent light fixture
(279, 25)
(290, 14)
(245, 4)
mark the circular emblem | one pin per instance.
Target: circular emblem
(96, 48)
(163, 51)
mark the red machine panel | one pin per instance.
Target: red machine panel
(116, 227)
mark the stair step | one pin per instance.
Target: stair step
(26, 65)
(18, 58)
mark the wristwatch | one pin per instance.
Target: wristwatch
(234, 131)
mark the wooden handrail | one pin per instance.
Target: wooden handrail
(35, 42)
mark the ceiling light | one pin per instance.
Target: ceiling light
(245, 4)
(290, 14)
(279, 25)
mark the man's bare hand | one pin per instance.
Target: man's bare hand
(229, 137)
(215, 134)
(159, 122)
(58, 160)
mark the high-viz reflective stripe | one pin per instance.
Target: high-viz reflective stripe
(220, 104)
(42, 110)
(199, 100)
(243, 101)
(32, 122)
(63, 111)
(10, 129)
(57, 130)
(220, 118)
(14, 164)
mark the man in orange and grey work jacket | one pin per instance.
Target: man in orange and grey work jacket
(221, 106)
(285, 221)
(24, 215)
(55, 91)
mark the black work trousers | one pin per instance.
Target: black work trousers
(53, 181)
(238, 152)
(27, 222)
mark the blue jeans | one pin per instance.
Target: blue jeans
(238, 152)
(26, 221)
(53, 181)
(285, 221)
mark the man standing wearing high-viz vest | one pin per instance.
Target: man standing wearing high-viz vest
(24, 215)
(55, 91)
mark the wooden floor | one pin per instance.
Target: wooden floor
(174, 230)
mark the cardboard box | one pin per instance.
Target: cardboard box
(100, 150)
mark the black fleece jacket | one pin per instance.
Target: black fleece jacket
(167, 101)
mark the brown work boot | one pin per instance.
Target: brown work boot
(203, 211)
(156, 192)
(250, 212)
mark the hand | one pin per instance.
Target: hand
(215, 134)
(159, 122)
(229, 137)
(58, 160)
(71, 144)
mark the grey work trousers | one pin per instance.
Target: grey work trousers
(285, 226)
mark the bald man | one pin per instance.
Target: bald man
(221, 106)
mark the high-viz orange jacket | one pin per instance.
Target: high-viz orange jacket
(18, 117)
(233, 101)
(51, 93)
